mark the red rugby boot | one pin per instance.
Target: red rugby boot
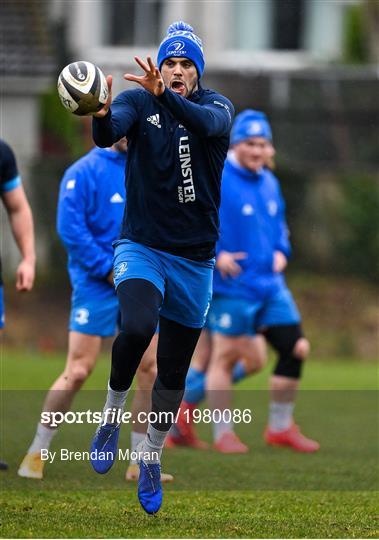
(291, 437)
(229, 443)
(183, 432)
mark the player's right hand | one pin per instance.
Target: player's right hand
(227, 265)
(104, 110)
(25, 275)
(152, 81)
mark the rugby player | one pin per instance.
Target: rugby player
(178, 137)
(250, 293)
(21, 221)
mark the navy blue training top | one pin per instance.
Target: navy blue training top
(9, 176)
(176, 152)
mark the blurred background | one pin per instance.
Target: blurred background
(311, 65)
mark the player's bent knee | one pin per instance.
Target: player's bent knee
(226, 353)
(78, 374)
(253, 354)
(289, 366)
(302, 348)
(290, 344)
(258, 363)
(138, 329)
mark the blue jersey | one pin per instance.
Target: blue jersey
(176, 153)
(252, 216)
(9, 176)
(90, 208)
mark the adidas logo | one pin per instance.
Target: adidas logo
(116, 198)
(154, 119)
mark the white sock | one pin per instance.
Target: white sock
(280, 415)
(220, 428)
(115, 402)
(135, 439)
(153, 444)
(42, 439)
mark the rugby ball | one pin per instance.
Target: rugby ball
(82, 88)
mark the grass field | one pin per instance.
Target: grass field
(266, 493)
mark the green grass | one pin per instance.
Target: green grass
(192, 515)
(23, 370)
(267, 493)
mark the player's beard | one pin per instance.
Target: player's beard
(193, 89)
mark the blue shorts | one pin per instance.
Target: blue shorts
(185, 285)
(237, 317)
(96, 317)
(2, 314)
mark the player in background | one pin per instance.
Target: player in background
(21, 221)
(251, 352)
(178, 136)
(90, 208)
(250, 292)
(251, 355)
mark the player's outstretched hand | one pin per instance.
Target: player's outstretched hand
(104, 110)
(25, 275)
(227, 265)
(152, 80)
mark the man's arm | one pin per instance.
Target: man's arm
(282, 243)
(114, 120)
(21, 221)
(210, 120)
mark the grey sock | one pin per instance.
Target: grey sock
(115, 402)
(153, 445)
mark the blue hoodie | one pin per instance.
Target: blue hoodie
(90, 209)
(252, 217)
(176, 153)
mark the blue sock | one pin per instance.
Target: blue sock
(239, 372)
(195, 386)
(195, 382)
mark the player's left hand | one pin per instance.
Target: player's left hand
(152, 80)
(280, 262)
(25, 275)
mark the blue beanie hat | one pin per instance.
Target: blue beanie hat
(248, 124)
(181, 41)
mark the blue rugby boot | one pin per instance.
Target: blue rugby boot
(150, 492)
(104, 447)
